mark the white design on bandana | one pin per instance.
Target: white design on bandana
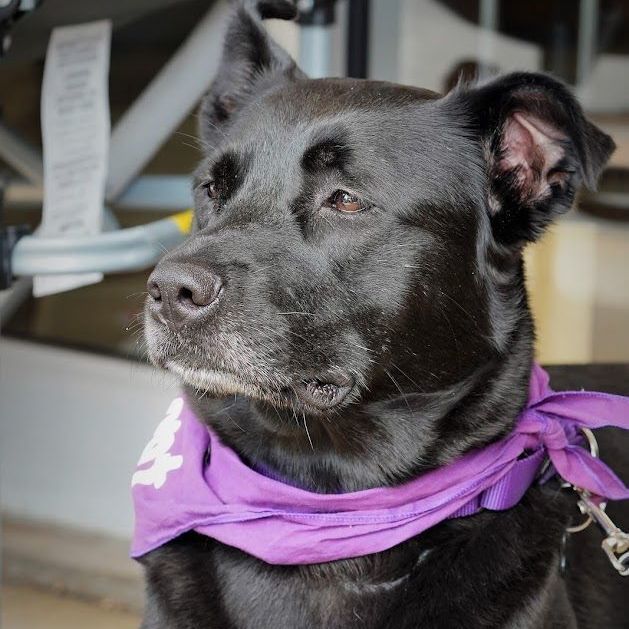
(157, 450)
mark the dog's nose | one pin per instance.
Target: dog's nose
(182, 293)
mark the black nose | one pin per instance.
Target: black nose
(183, 293)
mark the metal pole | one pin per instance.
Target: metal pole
(588, 27)
(488, 21)
(315, 44)
(148, 192)
(115, 251)
(316, 18)
(12, 298)
(358, 39)
(166, 101)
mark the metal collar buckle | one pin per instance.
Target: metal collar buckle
(616, 543)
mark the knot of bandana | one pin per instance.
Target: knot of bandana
(179, 488)
(555, 420)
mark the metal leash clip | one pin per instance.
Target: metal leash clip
(616, 544)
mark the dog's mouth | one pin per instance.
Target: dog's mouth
(322, 394)
(317, 394)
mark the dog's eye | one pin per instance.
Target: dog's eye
(343, 201)
(212, 190)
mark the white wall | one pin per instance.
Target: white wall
(433, 40)
(607, 89)
(72, 426)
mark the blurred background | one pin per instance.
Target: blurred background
(78, 400)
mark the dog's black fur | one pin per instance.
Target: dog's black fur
(354, 349)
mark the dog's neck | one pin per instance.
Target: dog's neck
(374, 444)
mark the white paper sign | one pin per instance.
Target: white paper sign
(75, 130)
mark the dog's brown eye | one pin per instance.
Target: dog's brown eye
(345, 202)
(212, 190)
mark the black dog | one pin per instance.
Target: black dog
(355, 288)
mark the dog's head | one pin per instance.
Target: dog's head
(360, 242)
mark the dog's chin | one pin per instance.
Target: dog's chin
(213, 382)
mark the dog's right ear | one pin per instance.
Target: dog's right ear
(250, 59)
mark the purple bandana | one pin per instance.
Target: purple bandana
(188, 480)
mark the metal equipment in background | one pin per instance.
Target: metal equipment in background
(316, 19)
(139, 133)
(137, 136)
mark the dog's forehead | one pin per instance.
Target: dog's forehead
(311, 104)
(320, 97)
(397, 121)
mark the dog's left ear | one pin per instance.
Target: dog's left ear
(539, 148)
(251, 60)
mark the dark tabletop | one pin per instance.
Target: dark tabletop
(608, 378)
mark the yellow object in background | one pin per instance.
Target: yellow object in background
(183, 220)
(578, 279)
